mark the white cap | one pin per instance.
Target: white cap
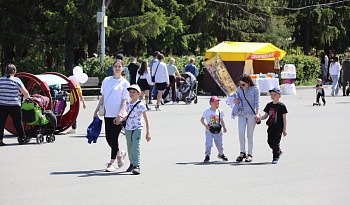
(135, 87)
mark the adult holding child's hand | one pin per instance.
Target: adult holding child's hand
(249, 116)
(114, 96)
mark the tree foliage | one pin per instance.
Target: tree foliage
(53, 32)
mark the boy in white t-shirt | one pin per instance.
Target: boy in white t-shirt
(215, 120)
(133, 129)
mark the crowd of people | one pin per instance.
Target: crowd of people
(123, 110)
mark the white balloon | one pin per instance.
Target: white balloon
(77, 70)
(74, 78)
(83, 77)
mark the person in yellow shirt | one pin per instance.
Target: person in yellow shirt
(73, 99)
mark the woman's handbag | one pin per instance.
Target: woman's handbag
(102, 109)
(259, 122)
(216, 129)
(123, 123)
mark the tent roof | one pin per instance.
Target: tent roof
(240, 51)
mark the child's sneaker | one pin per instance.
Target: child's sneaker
(206, 159)
(136, 170)
(223, 157)
(120, 158)
(110, 167)
(274, 160)
(131, 167)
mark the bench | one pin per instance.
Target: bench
(92, 84)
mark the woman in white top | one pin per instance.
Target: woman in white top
(160, 72)
(172, 70)
(144, 81)
(334, 71)
(114, 96)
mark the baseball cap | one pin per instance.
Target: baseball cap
(119, 56)
(214, 98)
(275, 90)
(134, 87)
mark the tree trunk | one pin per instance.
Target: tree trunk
(307, 36)
(69, 48)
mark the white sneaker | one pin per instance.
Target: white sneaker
(121, 158)
(72, 131)
(110, 167)
(175, 103)
(162, 101)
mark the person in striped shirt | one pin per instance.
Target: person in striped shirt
(10, 103)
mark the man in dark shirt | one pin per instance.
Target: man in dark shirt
(133, 67)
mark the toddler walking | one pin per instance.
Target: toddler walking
(214, 122)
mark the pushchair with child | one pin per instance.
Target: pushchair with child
(188, 89)
(39, 121)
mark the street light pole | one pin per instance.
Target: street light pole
(103, 32)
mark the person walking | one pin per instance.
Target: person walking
(191, 67)
(152, 61)
(133, 128)
(249, 116)
(160, 73)
(133, 67)
(10, 103)
(114, 96)
(334, 71)
(171, 71)
(324, 62)
(144, 81)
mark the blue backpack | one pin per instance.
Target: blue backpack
(94, 130)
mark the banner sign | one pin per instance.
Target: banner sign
(216, 68)
(264, 56)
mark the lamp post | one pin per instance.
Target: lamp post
(103, 31)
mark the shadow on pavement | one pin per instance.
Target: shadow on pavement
(227, 163)
(91, 173)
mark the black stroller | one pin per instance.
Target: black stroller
(188, 89)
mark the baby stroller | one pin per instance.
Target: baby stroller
(59, 103)
(39, 121)
(188, 89)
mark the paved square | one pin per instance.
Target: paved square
(312, 170)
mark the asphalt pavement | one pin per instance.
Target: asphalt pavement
(312, 170)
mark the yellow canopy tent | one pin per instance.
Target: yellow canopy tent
(243, 57)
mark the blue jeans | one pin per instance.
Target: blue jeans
(335, 79)
(133, 141)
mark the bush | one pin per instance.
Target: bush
(307, 67)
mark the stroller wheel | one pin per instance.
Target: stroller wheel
(195, 100)
(188, 101)
(52, 138)
(40, 139)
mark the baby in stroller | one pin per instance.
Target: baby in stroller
(39, 121)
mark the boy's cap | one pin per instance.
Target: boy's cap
(214, 98)
(275, 90)
(134, 87)
(119, 56)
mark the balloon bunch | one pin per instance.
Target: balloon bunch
(78, 76)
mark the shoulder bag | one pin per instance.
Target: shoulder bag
(259, 122)
(102, 109)
(124, 122)
(216, 129)
(155, 73)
